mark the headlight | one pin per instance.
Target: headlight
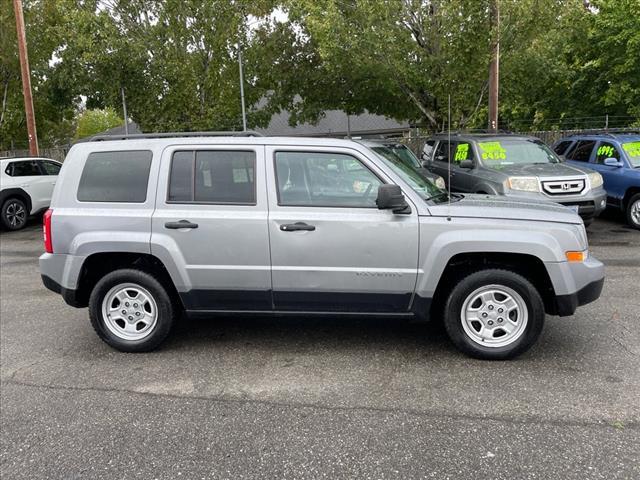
(440, 183)
(526, 184)
(595, 179)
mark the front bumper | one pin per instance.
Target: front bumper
(575, 284)
(590, 204)
(566, 305)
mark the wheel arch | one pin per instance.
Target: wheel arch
(97, 265)
(529, 266)
(631, 191)
(8, 193)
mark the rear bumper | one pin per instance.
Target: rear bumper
(69, 296)
(566, 305)
(60, 274)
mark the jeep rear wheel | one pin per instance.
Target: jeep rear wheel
(494, 314)
(131, 310)
(14, 214)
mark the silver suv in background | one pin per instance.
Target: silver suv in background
(142, 229)
(518, 166)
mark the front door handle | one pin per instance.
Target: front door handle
(180, 224)
(293, 227)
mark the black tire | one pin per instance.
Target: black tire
(14, 214)
(453, 320)
(166, 311)
(632, 204)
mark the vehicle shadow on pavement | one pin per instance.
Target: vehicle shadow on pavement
(313, 332)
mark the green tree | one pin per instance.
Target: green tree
(91, 122)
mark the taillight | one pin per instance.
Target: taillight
(46, 229)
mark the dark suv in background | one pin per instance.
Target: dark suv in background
(617, 158)
(517, 166)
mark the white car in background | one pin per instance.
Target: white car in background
(26, 185)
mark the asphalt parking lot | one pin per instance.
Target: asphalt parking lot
(318, 398)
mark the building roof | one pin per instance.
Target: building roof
(334, 123)
(133, 129)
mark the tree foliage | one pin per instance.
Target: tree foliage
(91, 122)
(177, 61)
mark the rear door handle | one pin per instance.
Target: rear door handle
(180, 224)
(293, 227)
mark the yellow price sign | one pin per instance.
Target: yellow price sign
(492, 151)
(461, 152)
(632, 149)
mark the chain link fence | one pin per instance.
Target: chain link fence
(56, 153)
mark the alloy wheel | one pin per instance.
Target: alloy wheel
(15, 215)
(494, 316)
(129, 311)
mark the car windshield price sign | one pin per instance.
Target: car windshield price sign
(492, 151)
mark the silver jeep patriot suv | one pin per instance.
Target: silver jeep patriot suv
(143, 229)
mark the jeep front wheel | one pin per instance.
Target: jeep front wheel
(131, 310)
(494, 314)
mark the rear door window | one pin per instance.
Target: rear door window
(24, 168)
(213, 176)
(115, 177)
(582, 151)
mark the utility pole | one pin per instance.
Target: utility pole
(26, 78)
(494, 66)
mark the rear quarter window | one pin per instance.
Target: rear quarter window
(115, 177)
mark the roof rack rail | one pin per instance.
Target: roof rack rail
(134, 136)
(588, 133)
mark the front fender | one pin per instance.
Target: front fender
(439, 245)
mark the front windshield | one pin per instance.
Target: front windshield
(505, 152)
(633, 152)
(423, 187)
(405, 155)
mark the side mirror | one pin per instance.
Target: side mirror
(612, 162)
(468, 164)
(390, 197)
